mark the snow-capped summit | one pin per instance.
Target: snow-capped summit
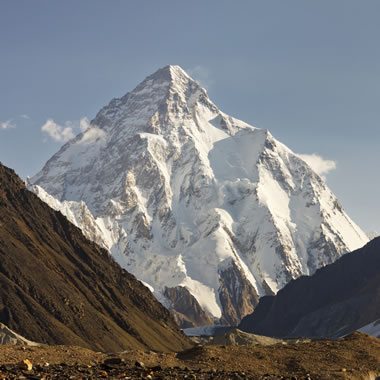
(206, 210)
(169, 89)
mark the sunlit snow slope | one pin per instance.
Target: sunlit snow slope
(372, 329)
(185, 196)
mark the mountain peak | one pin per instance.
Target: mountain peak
(172, 72)
(178, 186)
(171, 76)
(169, 90)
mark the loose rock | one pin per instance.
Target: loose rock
(26, 365)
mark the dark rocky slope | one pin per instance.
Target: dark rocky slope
(237, 295)
(185, 308)
(57, 287)
(336, 300)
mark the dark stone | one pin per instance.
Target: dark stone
(114, 361)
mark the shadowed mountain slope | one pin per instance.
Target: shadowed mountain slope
(338, 299)
(57, 287)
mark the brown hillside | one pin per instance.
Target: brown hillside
(56, 287)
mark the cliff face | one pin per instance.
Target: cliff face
(336, 300)
(237, 295)
(57, 287)
(186, 309)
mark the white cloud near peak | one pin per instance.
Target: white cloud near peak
(319, 164)
(91, 135)
(7, 124)
(84, 124)
(58, 132)
(201, 75)
(69, 129)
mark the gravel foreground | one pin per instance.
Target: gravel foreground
(355, 357)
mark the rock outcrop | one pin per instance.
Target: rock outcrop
(186, 309)
(237, 295)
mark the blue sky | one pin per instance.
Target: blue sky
(309, 71)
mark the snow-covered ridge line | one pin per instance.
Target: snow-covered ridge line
(372, 329)
(177, 190)
(9, 337)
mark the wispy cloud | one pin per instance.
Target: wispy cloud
(69, 129)
(201, 75)
(320, 165)
(84, 124)
(7, 124)
(91, 135)
(24, 116)
(58, 132)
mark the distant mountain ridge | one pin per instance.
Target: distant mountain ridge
(57, 287)
(372, 328)
(337, 300)
(197, 204)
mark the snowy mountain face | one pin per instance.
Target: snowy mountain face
(372, 329)
(194, 201)
(7, 336)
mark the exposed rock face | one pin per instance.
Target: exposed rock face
(57, 287)
(186, 309)
(175, 187)
(237, 295)
(337, 300)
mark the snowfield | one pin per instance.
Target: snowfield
(372, 329)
